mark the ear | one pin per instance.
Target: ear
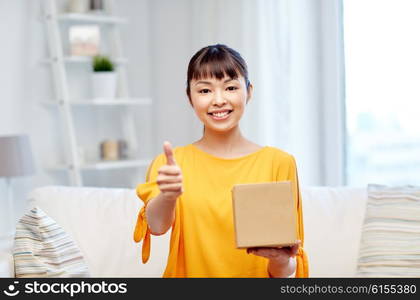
(250, 92)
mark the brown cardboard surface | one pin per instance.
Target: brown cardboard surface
(264, 214)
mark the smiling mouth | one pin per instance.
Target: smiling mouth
(220, 115)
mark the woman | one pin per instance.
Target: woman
(189, 188)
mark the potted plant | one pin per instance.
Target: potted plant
(104, 79)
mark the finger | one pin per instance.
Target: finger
(167, 148)
(252, 250)
(173, 194)
(262, 251)
(266, 252)
(171, 187)
(294, 249)
(272, 253)
(162, 179)
(169, 170)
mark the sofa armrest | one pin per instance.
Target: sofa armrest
(7, 268)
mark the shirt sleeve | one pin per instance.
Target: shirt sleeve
(302, 266)
(147, 191)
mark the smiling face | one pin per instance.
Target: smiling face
(218, 87)
(219, 103)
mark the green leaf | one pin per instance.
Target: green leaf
(102, 63)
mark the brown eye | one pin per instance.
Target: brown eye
(204, 91)
(232, 88)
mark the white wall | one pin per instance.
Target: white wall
(171, 42)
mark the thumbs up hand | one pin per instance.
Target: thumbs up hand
(170, 159)
(169, 176)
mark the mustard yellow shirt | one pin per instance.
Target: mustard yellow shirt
(202, 239)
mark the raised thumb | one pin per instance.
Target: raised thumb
(170, 159)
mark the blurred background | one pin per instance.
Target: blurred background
(336, 85)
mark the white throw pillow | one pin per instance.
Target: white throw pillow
(390, 243)
(43, 249)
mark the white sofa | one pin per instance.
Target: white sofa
(101, 221)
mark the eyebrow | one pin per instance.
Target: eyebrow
(208, 82)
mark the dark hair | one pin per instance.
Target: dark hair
(216, 61)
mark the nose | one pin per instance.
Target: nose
(219, 99)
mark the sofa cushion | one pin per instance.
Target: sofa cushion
(43, 249)
(390, 244)
(7, 268)
(102, 222)
(333, 218)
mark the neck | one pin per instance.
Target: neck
(224, 142)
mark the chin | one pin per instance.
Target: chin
(220, 129)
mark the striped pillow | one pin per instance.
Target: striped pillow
(43, 249)
(390, 240)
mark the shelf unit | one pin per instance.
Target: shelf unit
(90, 19)
(107, 165)
(84, 60)
(59, 62)
(105, 102)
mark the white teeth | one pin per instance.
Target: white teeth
(220, 115)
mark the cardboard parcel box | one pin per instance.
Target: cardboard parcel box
(264, 214)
